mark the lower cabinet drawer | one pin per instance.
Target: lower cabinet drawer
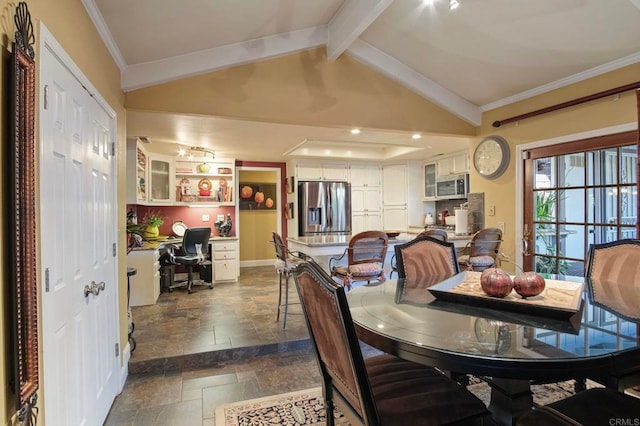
(224, 255)
(224, 270)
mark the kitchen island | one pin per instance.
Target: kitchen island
(322, 247)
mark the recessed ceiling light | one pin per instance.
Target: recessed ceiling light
(453, 4)
(355, 131)
(416, 136)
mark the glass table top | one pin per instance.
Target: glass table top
(607, 322)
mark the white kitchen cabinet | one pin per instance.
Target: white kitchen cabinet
(366, 198)
(225, 260)
(366, 221)
(145, 284)
(456, 165)
(364, 175)
(161, 179)
(322, 171)
(430, 174)
(137, 164)
(395, 197)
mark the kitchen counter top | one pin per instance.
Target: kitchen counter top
(339, 240)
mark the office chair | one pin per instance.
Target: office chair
(383, 389)
(195, 248)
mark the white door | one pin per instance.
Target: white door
(77, 200)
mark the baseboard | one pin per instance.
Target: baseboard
(251, 263)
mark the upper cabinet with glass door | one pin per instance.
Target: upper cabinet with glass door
(201, 181)
(161, 179)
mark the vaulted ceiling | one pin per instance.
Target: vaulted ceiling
(478, 56)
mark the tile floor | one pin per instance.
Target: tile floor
(196, 351)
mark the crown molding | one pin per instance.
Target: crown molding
(105, 34)
(581, 76)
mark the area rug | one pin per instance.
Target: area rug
(306, 407)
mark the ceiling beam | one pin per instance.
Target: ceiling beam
(412, 80)
(353, 19)
(161, 71)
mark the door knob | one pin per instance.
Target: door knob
(94, 288)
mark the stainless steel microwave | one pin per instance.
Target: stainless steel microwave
(452, 187)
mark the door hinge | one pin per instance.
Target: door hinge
(46, 280)
(113, 149)
(117, 350)
(46, 96)
(526, 155)
(114, 249)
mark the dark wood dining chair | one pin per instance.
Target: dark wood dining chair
(598, 406)
(482, 251)
(381, 390)
(426, 256)
(613, 272)
(285, 262)
(365, 259)
(438, 234)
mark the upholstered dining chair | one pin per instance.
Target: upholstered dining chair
(285, 261)
(381, 390)
(194, 251)
(613, 272)
(425, 256)
(438, 234)
(365, 259)
(482, 251)
(597, 406)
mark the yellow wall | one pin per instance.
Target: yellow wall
(256, 226)
(597, 114)
(69, 23)
(302, 88)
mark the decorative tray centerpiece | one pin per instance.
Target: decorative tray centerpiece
(559, 299)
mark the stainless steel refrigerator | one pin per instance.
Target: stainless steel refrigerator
(324, 208)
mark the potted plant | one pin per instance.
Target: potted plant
(152, 220)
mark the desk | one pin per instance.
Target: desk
(510, 348)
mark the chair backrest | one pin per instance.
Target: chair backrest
(426, 256)
(617, 261)
(281, 248)
(438, 234)
(335, 341)
(485, 242)
(194, 237)
(368, 247)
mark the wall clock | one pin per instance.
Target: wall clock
(491, 157)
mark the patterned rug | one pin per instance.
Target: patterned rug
(306, 407)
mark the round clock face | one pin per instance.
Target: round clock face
(491, 157)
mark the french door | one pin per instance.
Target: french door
(577, 194)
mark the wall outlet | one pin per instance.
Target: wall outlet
(205, 218)
(501, 226)
(220, 217)
(492, 210)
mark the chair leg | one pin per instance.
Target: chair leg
(279, 295)
(286, 300)
(189, 279)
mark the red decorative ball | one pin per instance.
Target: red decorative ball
(496, 282)
(528, 284)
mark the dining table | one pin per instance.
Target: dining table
(566, 332)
